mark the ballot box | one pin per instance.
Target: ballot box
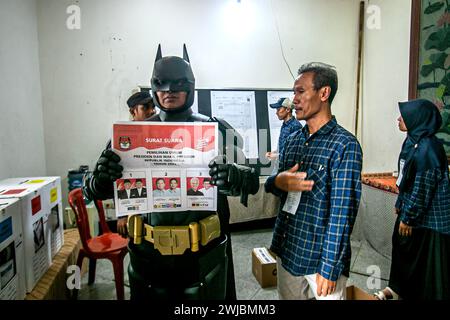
(41, 213)
(12, 268)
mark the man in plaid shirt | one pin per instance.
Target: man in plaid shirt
(312, 230)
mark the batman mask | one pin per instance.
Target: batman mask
(173, 74)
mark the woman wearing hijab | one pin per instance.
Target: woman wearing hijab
(420, 267)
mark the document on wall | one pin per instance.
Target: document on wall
(165, 166)
(238, 108)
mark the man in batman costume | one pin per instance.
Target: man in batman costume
(160, 267)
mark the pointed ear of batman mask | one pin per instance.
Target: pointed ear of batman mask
(173, 74)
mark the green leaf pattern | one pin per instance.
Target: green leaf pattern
(434, 75)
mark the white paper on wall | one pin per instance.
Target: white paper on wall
(238, 108)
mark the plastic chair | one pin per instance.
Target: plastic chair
(108, 245)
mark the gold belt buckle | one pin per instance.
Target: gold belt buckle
(173, 240)
(209, 229)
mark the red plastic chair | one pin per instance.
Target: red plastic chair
(108, 245)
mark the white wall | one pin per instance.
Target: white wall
(385, 83)
(22, 151)
(88, 74)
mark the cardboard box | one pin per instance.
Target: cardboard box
(264, 267)
(53, 207)
(355, 293)
(51, 202)
(52, 285)
(12, 268)
(40, 201)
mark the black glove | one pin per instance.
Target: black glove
(220, 173)
(233, 179)
(99, 184)
(107, 170)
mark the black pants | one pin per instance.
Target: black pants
(191, 276)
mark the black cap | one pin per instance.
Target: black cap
(142, 97)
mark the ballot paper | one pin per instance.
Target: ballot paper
(165, 166)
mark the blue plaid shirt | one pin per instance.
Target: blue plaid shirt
(317, 238)
(287, 128)
(427, 203)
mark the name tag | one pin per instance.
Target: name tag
(400, 172)
(292, 202)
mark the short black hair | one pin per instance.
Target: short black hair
(126, 181)
(139, 180)
(174, 179)
(324, 75)
(160, 179)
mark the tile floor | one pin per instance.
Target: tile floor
(365, 262)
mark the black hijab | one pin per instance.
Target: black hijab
(421, 150)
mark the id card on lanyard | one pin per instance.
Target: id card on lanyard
(292, 202)
(294, 197)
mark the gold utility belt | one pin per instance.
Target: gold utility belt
(175, 240)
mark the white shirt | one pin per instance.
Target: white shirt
(210, 192)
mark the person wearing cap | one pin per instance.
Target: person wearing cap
(420, 267)
(141, 106)
(290, 124)
(319, 183)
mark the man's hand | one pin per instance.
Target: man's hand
(397, 211)
(271, 155)
(291, 180)
(404, 230)
(108, 169)
(122, 227)
(324, 286)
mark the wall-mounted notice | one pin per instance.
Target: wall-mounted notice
(238, 108)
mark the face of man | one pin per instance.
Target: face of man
(401, 124)
(127, 185)
(282, 113)
(138, 184)
(160, 184)
(206, 184)
(194, 183)
(171, 100)
(141, 112)
(173, 184)
(307, 100)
